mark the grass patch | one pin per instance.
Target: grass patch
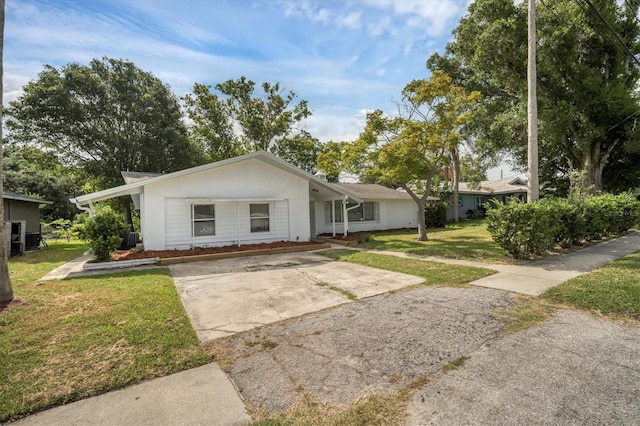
(377, 409)
(455, 364)
(346, 293)
(527, 312)
(467, 240)
(434, 273)
(61, 341)
(613, 290)
(36, 264)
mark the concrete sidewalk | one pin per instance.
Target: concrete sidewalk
(202, 395)
(535, 278)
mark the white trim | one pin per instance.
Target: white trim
(230, 200)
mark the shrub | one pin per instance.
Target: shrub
(365, 237)
(103, 232)
(59, 228)
(524, 229)
(435, 214)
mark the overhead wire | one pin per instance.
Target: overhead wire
(629, 53)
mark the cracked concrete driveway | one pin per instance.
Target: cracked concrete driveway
(227, 296)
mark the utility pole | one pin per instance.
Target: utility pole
(533, 187)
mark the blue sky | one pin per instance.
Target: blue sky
(344, 57)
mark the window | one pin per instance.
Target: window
(364, 212)
(259, 214)
(203, 217)
(460, 200)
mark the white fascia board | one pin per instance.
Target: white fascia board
(230, 200)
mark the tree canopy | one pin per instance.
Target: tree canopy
(103, 118)
(410, 149)
(31, 171)
(586, 82)
(236, 121)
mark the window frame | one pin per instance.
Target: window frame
(195, 221)
(258, 230)
(361, 209)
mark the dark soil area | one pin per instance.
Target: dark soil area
(163, 254)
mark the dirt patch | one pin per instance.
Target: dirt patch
(377, 345)
(164, 254)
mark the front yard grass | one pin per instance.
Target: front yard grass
(434, 273)
(613, 290)
(65, 340)
(467, 240)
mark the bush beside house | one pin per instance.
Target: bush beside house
(104, 233)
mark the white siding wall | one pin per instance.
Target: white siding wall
(392, 214)
(167, 215)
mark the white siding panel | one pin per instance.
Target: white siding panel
(177, 230)
(281, 218)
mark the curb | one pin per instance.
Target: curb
(118, 264)
(214, 256)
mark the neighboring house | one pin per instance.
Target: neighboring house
(20, 209)
(472, 197)
(253, 198)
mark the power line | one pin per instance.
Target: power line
(613, 31)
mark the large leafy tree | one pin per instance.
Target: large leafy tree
(236, 120)
(103, 118)
(586, 82)
(408, 150)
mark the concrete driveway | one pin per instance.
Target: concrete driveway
(227, 296)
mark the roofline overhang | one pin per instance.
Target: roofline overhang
(138, 187)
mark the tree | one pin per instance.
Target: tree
(31, 171)
(586, 82)
(269, 122)
(103, 118)
(6, 290)
(408, 151)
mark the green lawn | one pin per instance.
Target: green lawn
(65, 340)
(434, 273)
(468, 240)
(613, 290)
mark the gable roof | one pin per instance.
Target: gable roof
(139, 180)
(373, 191)
(500, 186)
(133, 177)
(21, 197)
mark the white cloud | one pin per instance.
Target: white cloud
(352, 20)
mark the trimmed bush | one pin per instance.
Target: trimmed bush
(103, 233)
(435, 214)
(524, 229)
(530, 229)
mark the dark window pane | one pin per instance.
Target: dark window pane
(204, 211)
(203, 228)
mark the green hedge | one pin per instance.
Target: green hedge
(435, 214)
(526, 229)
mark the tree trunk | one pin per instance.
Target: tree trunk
(6, 290)
(455, 159)
(594, 163)
(422, 226)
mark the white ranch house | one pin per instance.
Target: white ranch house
(253, 198)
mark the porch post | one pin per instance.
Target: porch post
(238, 221)
(333, 216)
(345, 216)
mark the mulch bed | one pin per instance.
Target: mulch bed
(163, 254)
